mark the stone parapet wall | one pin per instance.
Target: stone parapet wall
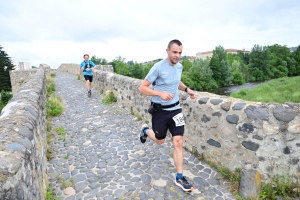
(69, 67)
(19, 77)
(228, 131)
(73, 68)
(23, 142)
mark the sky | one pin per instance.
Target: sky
(61, 31)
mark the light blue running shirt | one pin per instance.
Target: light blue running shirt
(166, 78)
(88, 70)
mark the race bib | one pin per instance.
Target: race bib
(179, 119)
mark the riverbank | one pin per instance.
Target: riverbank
(278, 90)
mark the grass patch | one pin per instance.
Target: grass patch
(54, 106)
(281, 186)
(53, 75)
(50, 195)
(232, 177)
(138, 116)
(49, 153)
(66, 157)
(60, 131)
(78, 77)
(51, 89)
(109, 99)
(62, 138)
(49, 79)
(66, 184)
(279, 90)
(49, 126)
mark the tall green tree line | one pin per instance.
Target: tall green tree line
(222, 69)
(5, 66)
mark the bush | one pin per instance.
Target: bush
(54, 107)
(5, 97)
(51, 89)
(53, 75)
(109, 99)
(60, 130)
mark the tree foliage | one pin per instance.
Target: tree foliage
(98, 61)
(220, 66)
(5, 66)
(222, 69)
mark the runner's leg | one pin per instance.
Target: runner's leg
(178, 153)
(150, 133)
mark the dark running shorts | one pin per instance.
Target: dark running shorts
(162, 121)
(89, 78)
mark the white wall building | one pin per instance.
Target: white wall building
(208, 54)
(22, 65)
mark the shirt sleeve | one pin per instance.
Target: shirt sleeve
(82, 64)
(93, 64)
(152, 75)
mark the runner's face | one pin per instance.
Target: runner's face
(174, 53)
(86, 58)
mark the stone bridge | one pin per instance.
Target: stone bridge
(100, 157)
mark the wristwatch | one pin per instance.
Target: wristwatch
(186, 89)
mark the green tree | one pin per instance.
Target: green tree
(220, 67)
(136, 71)
(260, 63)
(296, 58)
(115, 61)
(5, 66)
(122, 68)
(244, 56)
(202, 67)
(280, 55)
(238, 78)
(146, 69)
(98, 61)
(186, 65)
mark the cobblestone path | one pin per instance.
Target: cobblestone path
(101, 157)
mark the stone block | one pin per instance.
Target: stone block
(269, 129)
(285, 115)
(238, 106)
(205, 118)
(232, 119)
(226, 106)
(214, 143)
(250, 145)
(250, 184)
(203, 100)
(256, 113)
(294, 128)
(216, 101)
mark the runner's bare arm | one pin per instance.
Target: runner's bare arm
(146, 90)
(189, 91)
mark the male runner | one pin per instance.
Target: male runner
(87, 66)
(166, 113)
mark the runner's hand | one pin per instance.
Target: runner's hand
(191, 93)
(166, 96)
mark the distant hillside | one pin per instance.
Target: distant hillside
(293, 48)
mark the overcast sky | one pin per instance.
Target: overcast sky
(61, 31)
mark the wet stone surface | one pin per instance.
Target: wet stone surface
(101, 156)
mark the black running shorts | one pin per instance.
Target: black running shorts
(162, 121)
(89, 78)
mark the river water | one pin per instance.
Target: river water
(234, 88)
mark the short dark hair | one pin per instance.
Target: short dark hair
(86, 55)
(174, 42)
